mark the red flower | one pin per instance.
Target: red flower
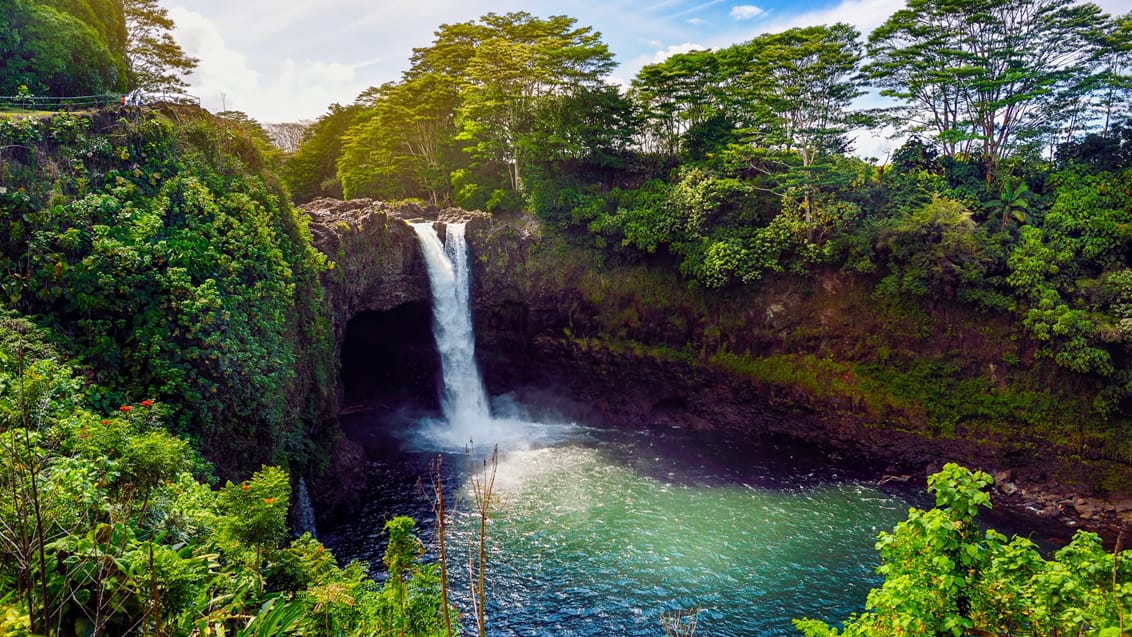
(245, 486)
(268, 500)
(124, 408)
(106, 422)
(147, 403)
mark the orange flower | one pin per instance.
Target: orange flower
(268, 500)
(245, 486)
(147, 403)
(125, 408)
(106, 422)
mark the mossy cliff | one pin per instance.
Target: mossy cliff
(821, 357)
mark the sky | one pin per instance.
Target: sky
(289, 60)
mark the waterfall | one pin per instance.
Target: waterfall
(464, 401)
(304, 512)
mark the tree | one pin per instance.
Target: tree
(403, 144)
(800, 84)
(521, 60)
(157, 64)
(986, 76)
(471, 114)
(577, 143)
(312, 170)
(1115, 79)
(944, 577)
(1012, 202)
(675, 96)
(55, 52)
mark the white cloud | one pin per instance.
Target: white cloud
(746, 11)
(221, 68)
(694, 21)
(285, 89)
(674, 49)
(866, 15)
(875, 144)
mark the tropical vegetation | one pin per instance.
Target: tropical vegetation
(73, 48)
(160, 298)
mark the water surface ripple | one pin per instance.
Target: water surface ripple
(599, 532)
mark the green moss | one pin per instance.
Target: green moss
(938, 399)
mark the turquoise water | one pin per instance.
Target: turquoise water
(599, 532)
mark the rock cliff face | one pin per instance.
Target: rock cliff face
(378, 295)
(632, 345)
(376, 262)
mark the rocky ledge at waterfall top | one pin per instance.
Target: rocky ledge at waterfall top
(376, 258)
(632, 344)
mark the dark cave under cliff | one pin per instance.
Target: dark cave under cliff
(389, 359)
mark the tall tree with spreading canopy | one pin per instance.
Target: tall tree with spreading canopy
(157, 64)
(986, 76)
(402, 145)
(312, 170)
(675, 96)
(466, 117)
(800, 84)
(520, 60)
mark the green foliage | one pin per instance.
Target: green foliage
(312, 170)
(1083, 236)
(487, 102)
(61, 49)
(676, 98)
(1012, 203)
(402, 144)
(156, 63)
(942, 576)
(255, 511)
(987, 77)
(933, 251)
(1108, 152)
(518, 63)
(175, 274)
(104, 529)
(787, 70)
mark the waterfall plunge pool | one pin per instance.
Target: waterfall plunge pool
(597, 532)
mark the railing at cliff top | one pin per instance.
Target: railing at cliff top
(32, 103)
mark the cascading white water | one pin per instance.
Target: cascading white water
(464, 400)
(464, 403)
(304, 511)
